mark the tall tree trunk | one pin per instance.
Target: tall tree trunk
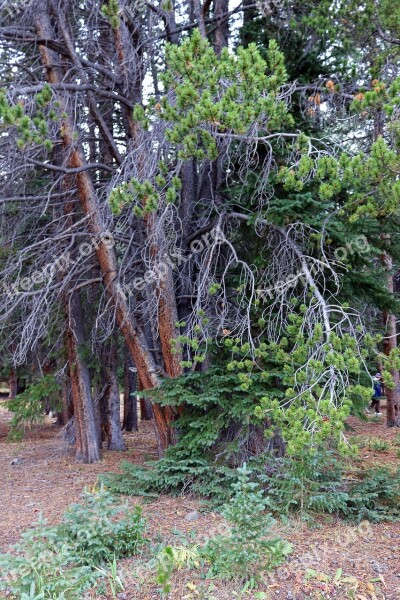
(130, 421)
(67, 407)
(390, 344)
(221, 8)
(12, 383)
(115, 440)
(389, 319)
(86, 434)
(105, 252)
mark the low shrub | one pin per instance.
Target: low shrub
(172, 476)
(376, 497)
(248, 549)
(61, 562)
(27, 407)
(378, 445)
(308, 484)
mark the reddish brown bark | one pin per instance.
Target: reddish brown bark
(390, 344)
(167, 310)
(86, 435)
(131, 331)
(12, 383)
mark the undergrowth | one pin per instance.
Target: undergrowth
(243, 553)
(61, 562)
(310, 485)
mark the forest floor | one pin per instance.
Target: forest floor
(46, 479)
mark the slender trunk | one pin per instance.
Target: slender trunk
(67, 408)
(390, 344)
(115, 440)
(86, 435)
(146, 411)
(221, 7)
(130, 422)
(12, 383)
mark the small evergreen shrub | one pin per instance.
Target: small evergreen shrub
(61, 562)
(247, 549)
(98, 529)
(376, 497)
(396, 440)
(307, 484)
(171, 476)
(28, 406)
(315, 484)
(378, 445)
(311, 484)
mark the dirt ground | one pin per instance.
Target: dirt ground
(46, 479)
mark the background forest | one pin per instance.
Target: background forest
(199, 215)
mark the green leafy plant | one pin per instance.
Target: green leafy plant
(376, 497)
(170, 475)
(99, 529)
(306, 484)
(247, 549)
(379, 445)
(28, 406)
(63, 561)
(111, 574)
(44, 567)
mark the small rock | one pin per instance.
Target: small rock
(379, 568)
(192, 516)
(16, 461)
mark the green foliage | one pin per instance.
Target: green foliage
(376, 497)
(314, 485)
(174, 558)
(61, 562)
(28, 406)
(111, 11)
(30, 130)
(239, 402)
(212, 95)
(165, 568)
(98, 529)
(379, 445)
(306, 484)
(169, 475)
(374, 443)
(247, 550)
(113, 578)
